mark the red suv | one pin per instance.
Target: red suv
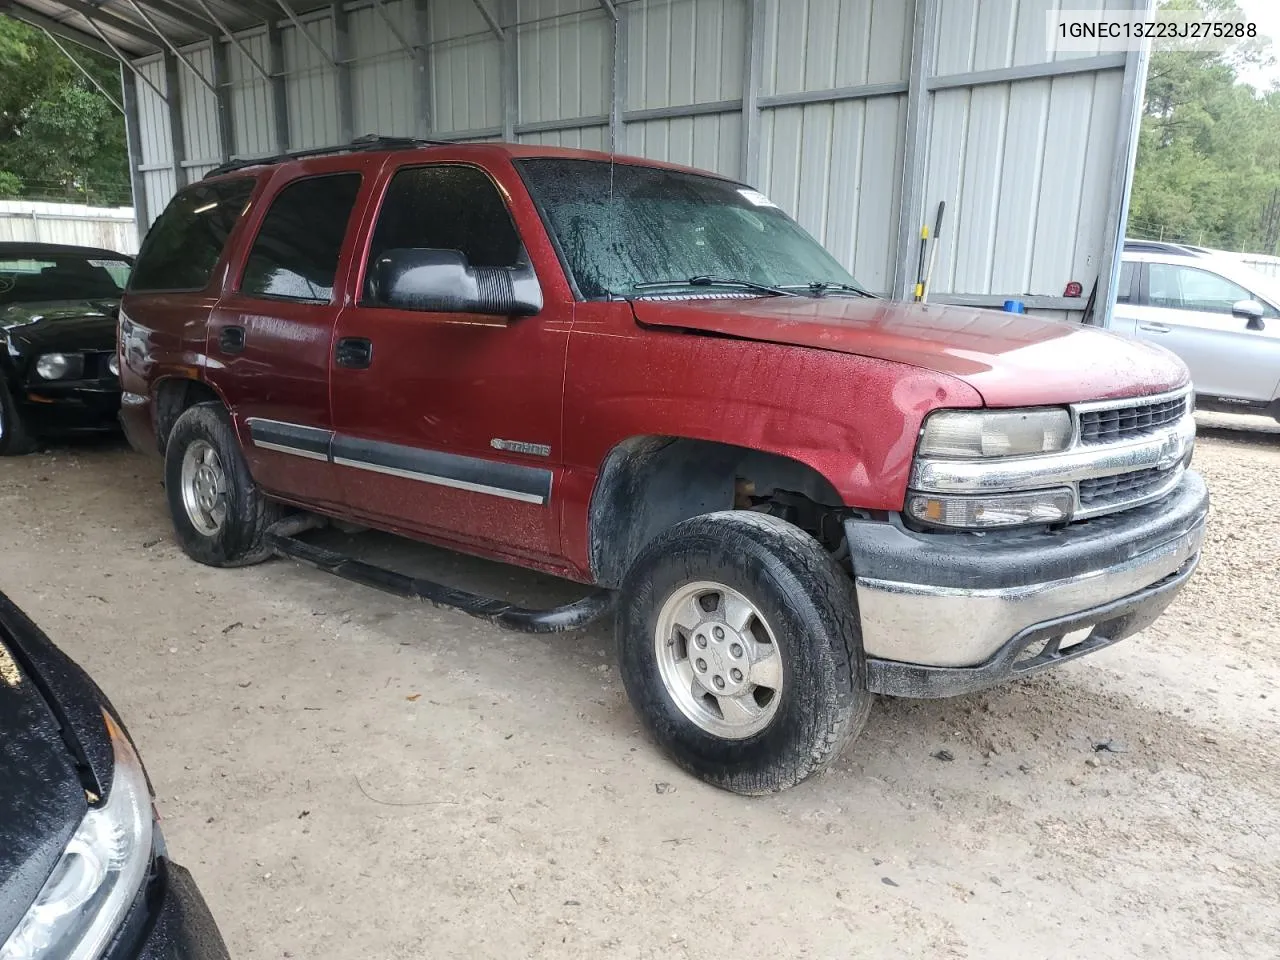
(792, 494)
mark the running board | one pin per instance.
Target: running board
(569, 617)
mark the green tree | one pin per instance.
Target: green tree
(59, 137)
(1207, 170)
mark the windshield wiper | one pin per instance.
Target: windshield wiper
(715, 282)
(820, 288)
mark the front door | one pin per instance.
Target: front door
(271, 333)
(1188, 309)
(448, 424)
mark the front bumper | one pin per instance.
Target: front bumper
(79, 406)
(944, 614)
(168, 921)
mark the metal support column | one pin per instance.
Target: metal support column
(133, 140)
(618, 92)
(177, 135)
(915, 160)
(510, 68)
(752, 77)
(342, 66)
(424, 114)
(279, 92)
(222, 90)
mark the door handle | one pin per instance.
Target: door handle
(354, 353)
(231, 339)
(1153, 327)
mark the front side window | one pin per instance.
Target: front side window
(295, 255)
(446, 207)
(1124, 289)
(1187, 288)
(59, 277)
(620, 227)
(184, 244)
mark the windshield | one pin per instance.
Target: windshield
(621, 226)
(58, 277)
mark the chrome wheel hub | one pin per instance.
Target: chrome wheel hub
(719, 659)
(204, 488)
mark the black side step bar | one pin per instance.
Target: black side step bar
(569, 617)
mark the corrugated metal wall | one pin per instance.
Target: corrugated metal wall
(111, 228)
(810, 100)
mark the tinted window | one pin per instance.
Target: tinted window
(1124, 290)
(621, 226)
(58, 277)
(447, 208)
(296, 253)
(1186, 288)
(184, 244)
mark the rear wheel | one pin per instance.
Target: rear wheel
(740, 649)
(14, 439)
(218, 513)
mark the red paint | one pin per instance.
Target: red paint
(839, 384)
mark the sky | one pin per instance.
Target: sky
(1266, 14)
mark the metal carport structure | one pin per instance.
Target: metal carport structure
(856, 116)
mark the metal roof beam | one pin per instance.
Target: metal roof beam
(301, 28)
(60, 29)
(395, 30)
(172, 47)
(490, 19)
(182, 15)
(610, 8)
(235, 41)
(120, 55)
(85, 70)
(119, 24)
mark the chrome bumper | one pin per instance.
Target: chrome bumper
(959, 600)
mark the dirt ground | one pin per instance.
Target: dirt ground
(349, 775)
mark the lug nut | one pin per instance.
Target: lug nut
(736, 674)
(719, 682)
(700, 640)
(701, 665)
(719, 633)
(736, 649)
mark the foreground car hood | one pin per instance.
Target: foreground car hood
(61, 324)
(41, 797)
(1011, 359)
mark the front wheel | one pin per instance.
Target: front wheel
(741, 650)
(218, 513)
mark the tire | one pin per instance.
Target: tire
(232, 532)
(14, 439)
(803, 603)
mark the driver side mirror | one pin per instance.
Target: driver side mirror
(1252, 311)
(443, 281)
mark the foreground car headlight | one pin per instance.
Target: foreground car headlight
(94, 883)
(995, 433)
(59, 366)
(1001, 510)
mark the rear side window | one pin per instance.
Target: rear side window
(1124, 289)
(184, 244)
(295, 256)
(447, 207)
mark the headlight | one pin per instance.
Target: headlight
(85, 899)
(114, 364)
(995, 433)
(59, 366)
(1001, 510)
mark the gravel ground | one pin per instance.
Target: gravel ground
(351, 775)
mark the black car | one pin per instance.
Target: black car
(83, 867)
(58, 367)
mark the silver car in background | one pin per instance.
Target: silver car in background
(1220, 316)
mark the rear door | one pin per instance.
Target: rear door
(271, 332)
(1188, 309)
(449, 423)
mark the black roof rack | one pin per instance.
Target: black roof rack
(1163, 246)
(358, 145)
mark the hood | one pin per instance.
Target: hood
(1011, 359)
(41, 797)
(61, 324)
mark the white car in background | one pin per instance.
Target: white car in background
(1220, 316)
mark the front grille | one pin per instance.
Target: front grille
(95, 365)
(1123, 488)
(1126, 423)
